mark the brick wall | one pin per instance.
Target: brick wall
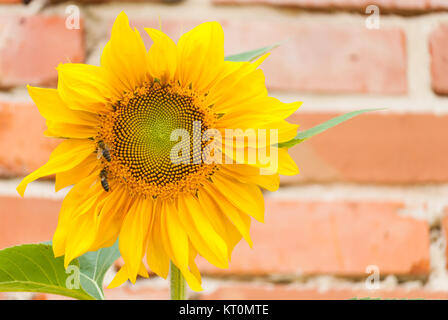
(371, 192)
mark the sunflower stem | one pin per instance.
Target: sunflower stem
(178, 284)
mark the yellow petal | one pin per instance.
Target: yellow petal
(200, 231)
(201, 56)
(193, 281)
(176, 239)
(120, 278)
(286, 164)
(76, 174)
(109, 216)
(237, 89)
(249, 174)
(193, 267)
(231, 73)
(77, 221)
(68, 130)
(239, 219)
(237, 141)
(133, 233)
(73, 203)
(66, 156)
(262, 108)
(271, 159)
(52, 108)
(142, 271)
(286, 131)
(220, 222)
(124, 57)
(82, 232)
(156, 256)
(162, 56)
(246, 197)
(84, 87)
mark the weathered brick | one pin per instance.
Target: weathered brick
(313, 59)
(438, 47)
(360, 5)
(139, 292)
(374, 148)
(331, 238)
(124, 292)
(27, 220)
(32, 46)
(24, 146)
(284, 292)
(445, 233)
(46, 296)
(438, 4)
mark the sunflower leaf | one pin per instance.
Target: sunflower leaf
(304, 135)
(94, 265)
(251, 55)
(33, 268)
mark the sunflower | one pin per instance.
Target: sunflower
(116, 121)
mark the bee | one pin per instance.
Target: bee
(103, 177)
(103, 150)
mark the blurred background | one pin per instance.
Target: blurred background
(366, 217)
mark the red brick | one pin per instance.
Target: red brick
(438, 47)
(361, 5)
(42, 296)
(125, 292)
(313, 59)
(438, 4)
(21, 134)
(374, 148)
(445, 233)
(31, 48)
(137, 292)
(283, 292)
(340, 238)
(27, 220)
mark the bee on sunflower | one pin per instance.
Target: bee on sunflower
(117, 122)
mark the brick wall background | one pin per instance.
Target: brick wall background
(372, 192)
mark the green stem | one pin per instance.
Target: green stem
(178, 285)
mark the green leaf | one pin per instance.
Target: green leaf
(251, 55)
(302, 136)
(33, 268)
(94, 266)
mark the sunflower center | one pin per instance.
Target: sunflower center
(140, 136)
